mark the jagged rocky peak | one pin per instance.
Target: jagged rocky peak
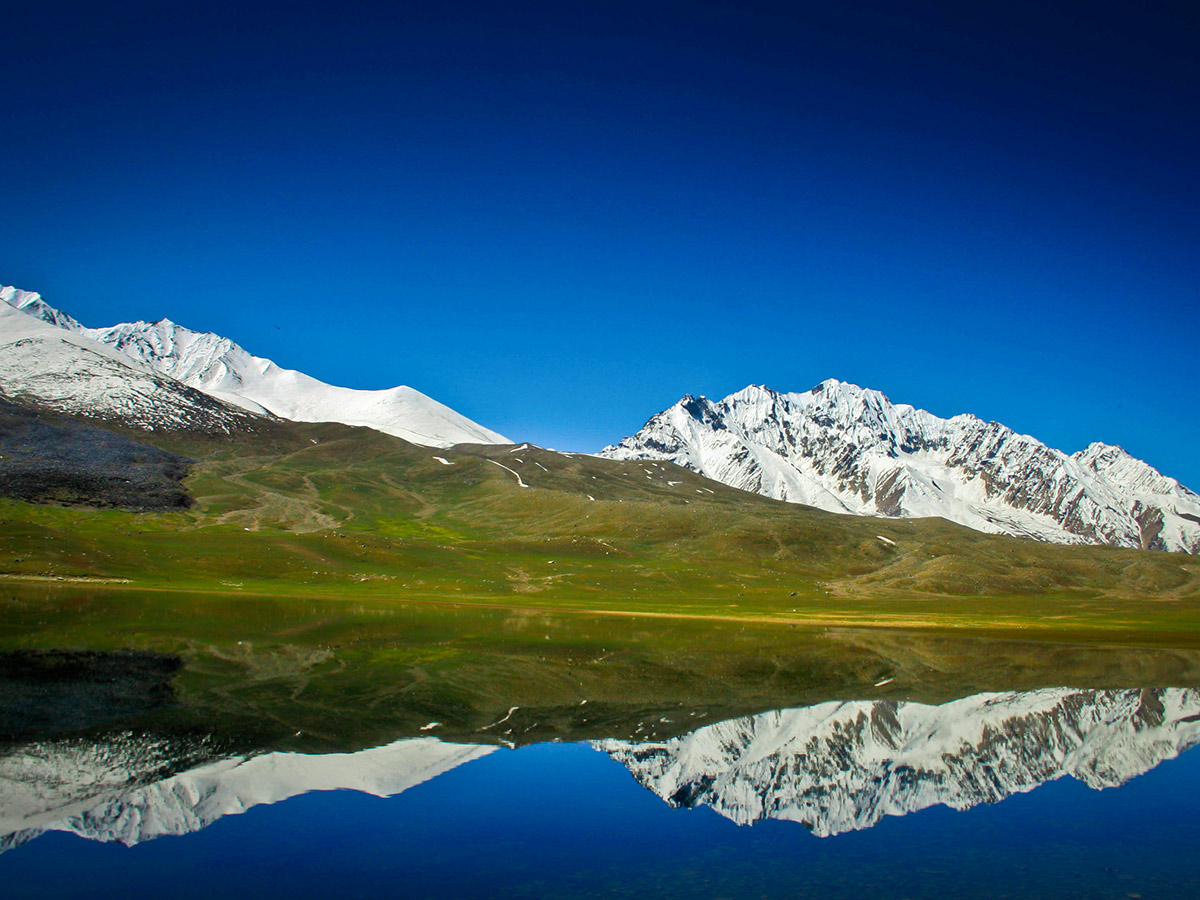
(204, 360)
(849, 449)
(218, 367)
(1117, 465)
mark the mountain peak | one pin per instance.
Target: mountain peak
(45, 361)
(849, 449)
(833, 384)
(220, 368)
(1099, 449)
(31, 303)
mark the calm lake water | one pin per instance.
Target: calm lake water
(217, 746)
(1049, 793)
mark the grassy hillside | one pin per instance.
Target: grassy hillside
(332, 511)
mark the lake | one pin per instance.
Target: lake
(425, 753)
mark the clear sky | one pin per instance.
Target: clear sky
(560, 217)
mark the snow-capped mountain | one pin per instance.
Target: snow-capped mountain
(115, 790)
(32, 303)
(65, 370)
(843, 766)
(845, 449)
(220, 368)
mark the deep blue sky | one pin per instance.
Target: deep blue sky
(560, 217)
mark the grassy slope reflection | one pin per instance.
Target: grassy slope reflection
(269, 673)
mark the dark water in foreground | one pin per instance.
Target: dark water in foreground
(1050, 793)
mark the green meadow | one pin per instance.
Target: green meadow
(345, 514)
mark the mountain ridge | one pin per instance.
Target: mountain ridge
(66, 371)
(222, 369)
(848, 449)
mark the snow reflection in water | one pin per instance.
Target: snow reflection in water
(834, 767)
(843, 766)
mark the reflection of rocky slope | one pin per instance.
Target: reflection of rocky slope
(839, 767)
(49, 692)
(132, 788)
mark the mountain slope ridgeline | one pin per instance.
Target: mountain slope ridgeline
(846, 449)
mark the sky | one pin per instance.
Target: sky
(558, 218)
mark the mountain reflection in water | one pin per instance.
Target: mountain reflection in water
(834, 767)
(838, 767)
(107, 791)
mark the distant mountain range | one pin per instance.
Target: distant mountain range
(846, 449)
(82, 378)
(837, 447)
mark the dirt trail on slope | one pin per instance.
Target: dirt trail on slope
(298, 515)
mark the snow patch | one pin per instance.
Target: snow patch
(520, 483)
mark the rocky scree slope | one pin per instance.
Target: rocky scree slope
(47, 459)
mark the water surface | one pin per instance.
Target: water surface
(215, 746)
(1054, 793)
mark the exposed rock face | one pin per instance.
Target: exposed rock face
(47, 459)
(845, 449)
(839, 767)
